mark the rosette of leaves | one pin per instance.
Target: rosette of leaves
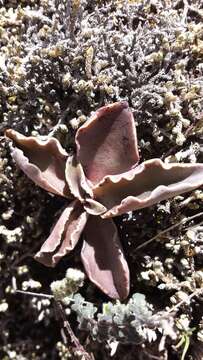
(102, 180)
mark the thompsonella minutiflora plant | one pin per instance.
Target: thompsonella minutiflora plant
(102, 180)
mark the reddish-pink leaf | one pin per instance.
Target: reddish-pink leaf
(103, 258)
(107, 143)
(81, 188)
(94, 207)
(147, 184)
(77, 182)
(42, 161)
(64, 235)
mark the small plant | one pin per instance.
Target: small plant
(134, 322)
(185, 334)
(102, 180)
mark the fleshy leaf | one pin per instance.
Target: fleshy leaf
(80, 187)
(75, 177)
(64, 235)
(147, 184)
(42, 161)
(107, 143)
(103, 258)
(94, 207)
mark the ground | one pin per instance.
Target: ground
(59, 62)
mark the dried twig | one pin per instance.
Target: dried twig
(34, 294)
(183, 221)
(177, 306)
(68, 332)
(185, 11)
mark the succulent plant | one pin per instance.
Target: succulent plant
(102, 180)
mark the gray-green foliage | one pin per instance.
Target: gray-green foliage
(85, 312)
(134, 322)
(127, 323)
